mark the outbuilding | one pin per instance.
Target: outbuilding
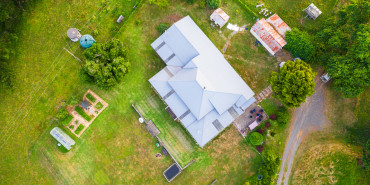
(312, 11)
(62, 138)
(219, 17)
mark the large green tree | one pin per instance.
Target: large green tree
(299, 44)
(293, 83)
(106, 64)
(343, 47)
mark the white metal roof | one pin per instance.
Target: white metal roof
(203, 89)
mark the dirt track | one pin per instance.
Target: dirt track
(307, 118)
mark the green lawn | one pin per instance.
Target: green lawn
(116, 149)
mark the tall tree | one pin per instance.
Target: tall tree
(299, 44)
(106, 64)
(293, 83)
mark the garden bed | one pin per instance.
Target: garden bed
(90, 97)
(82, 113)
(79, 129)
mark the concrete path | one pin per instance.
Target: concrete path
(307, 118)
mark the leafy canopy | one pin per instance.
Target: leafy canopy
(213, 3)
(106, 64)
(293, 83)
(343, 45)
(299, 44)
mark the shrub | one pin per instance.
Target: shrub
(190, 1)
(299, 44)
(256, 138)
(66, 121)
(283, 116)
(273, 117)
(272, 134)
(99, 105)
(79, 129)
(213, 3)
(62, 114)
(260, 130)
(161, 28)
(267, 124)
(90, 97)
(260, 148)
(82, 113)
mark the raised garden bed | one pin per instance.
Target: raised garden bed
(82, 113)
(90, 97)
(99, 106)
(79, 129)
(67, 120)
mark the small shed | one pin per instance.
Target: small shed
(73, 34)
(312, 11)
(219, 17)
(85, 104)
(62, 138)
(87, 41)
(172, 172)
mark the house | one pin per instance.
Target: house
(62, 138)
(199, 86)
(271, 33)
(85, 104)
(312, 11)
(219, 17)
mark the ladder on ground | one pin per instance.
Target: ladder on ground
(264, 94)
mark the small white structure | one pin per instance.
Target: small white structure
(325, 77)
(73, 34)
(219, 17)
(120, 19)
(253, 125)
(233, 27)
(312, 11)
(62, 138)
(281, 64)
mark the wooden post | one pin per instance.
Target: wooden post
(72, 55)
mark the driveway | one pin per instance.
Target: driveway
(307, 118)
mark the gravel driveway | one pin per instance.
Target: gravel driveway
(307, 118)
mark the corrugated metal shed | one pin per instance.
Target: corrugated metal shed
(219, 17)
(270, 33)
(312, 11)
(62, 138)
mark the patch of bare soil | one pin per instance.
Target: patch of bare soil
(283, 55)
(172, 18)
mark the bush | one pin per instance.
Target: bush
(272, 134)
(260, 130)
(273, 117)
(267, 124)
(299, 44)
(260, 148)
(82, 113)
(66, 121)
(64, 117)
(79, 129)
(256, 138)
(213, 4)
(90, 97)
(190, 1)
(283, 116)
(161, 28)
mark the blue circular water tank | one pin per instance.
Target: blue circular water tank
(87, 41)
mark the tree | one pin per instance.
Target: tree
(256, 138)
(299, 44)
(283, 116)
(293, 83)
(343, 47)
(160, 3)
(106, 64)
(213, 4)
